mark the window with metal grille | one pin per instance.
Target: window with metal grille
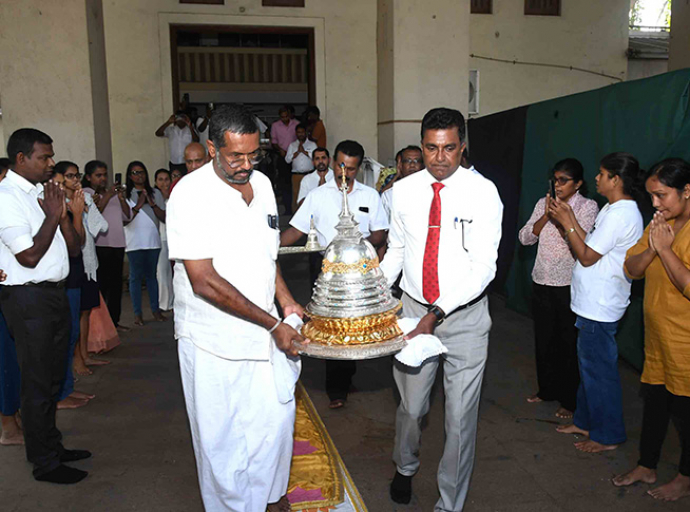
(480, 7)
(282, 3)
(543, 7)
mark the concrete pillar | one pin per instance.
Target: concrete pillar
(679, 49)
(423, 59)
(45, 79)
(99, 83)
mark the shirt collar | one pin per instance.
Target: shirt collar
(332, 184)
(452, 179)
(22, 183)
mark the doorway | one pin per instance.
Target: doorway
(261, 67)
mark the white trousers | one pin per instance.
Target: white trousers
(466, 334)
(242, 434)
(165, 278)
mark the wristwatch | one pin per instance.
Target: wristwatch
(438, 313)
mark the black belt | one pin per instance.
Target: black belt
(47, 284)
(459, 308)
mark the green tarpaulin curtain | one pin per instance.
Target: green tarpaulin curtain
(648, 118)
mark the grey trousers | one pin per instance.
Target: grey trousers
(466, 334)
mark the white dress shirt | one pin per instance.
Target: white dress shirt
(20, 219)
(178, 139)
(208, 219)
(471, 214)
(302, 163)
(601, 292)
(311, 182)
(325, 204)
(203, 136)
(387, 201)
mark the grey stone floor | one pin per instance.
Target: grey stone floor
(137, 429)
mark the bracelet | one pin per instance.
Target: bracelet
(571, 230)
(270, 331)
(135, 210)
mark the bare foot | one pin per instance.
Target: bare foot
(534, 399)
(639, 474)
(92, 361)
(15, 439)
(676, 489)
(80, 395)
(282, 505)
(80, 368)
(18, 419)
(590, 446)
(11, 431)
(564, 413)
(71, 403)
(138, 320)
(158, 316)
(571, 429)
(122, 328)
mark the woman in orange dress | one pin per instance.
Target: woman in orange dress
(662, 257)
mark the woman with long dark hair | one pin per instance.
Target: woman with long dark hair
(555, 335)
(143, 238)
(600, 294)
(662, 258)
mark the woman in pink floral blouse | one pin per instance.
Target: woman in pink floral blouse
(554, 323)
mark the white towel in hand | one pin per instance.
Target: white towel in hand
(421, 347)
(286, 369)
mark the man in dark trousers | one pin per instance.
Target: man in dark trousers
(36, 238)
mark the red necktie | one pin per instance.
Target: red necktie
(430, 288)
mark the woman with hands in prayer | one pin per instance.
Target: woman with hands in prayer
(143, 238)
(662, 258)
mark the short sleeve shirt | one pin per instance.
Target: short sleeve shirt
(208, 219)
(601, 292)
(325, 204)
(21, 217)
(178, 138)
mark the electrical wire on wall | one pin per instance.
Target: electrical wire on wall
(541, 64)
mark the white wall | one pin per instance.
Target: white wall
(423, 63)
(644, 68)
(588, 35)
(45, 81)
(140, 85)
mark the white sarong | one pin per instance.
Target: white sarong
(242, 433)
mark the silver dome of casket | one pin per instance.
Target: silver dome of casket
(351, 284)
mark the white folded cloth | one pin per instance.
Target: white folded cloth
(286, 369)
(421, 347)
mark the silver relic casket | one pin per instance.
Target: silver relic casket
(352, 313)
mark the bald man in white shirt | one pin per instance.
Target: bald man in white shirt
(444, 236)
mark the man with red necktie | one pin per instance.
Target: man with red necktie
(444, 236)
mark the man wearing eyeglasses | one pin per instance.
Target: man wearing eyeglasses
(408, 161)
(223, 235)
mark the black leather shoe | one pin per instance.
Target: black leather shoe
(401, 488)
(74, 455)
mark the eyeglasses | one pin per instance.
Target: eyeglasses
(562, 181)
(75, 176)
(409, 161)
(137, 173)
(237, 159)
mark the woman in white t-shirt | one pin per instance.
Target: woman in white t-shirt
(142, 238)
(600, 294)
(164, 273)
